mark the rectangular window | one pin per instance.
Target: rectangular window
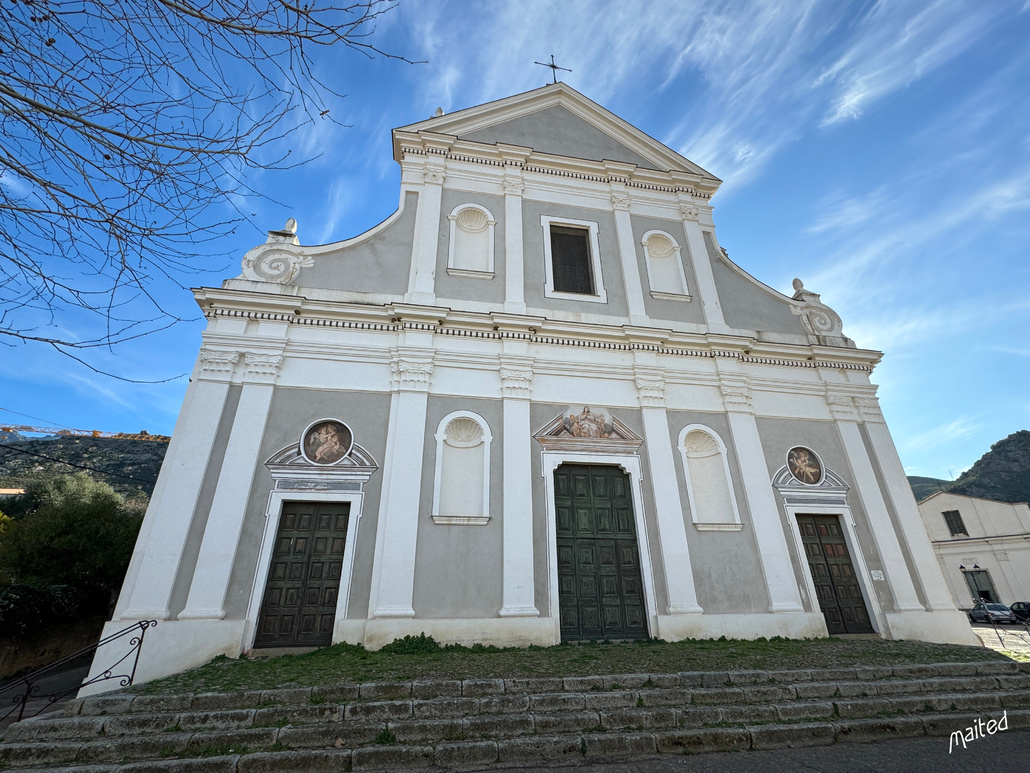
(955, 525)
(570, 260)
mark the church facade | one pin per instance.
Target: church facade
(537, 404)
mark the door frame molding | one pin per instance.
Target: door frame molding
(273, 511)
(862, 574)
(628, 463)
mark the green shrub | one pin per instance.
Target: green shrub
(25, 608)
(413, 645)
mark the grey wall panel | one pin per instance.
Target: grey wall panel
(291, 411)
(660, 309)
(747, 306)
(458, 569)
(466, 288)
(558, 131)
(778, 437)
(181, 587)
(533, 250)
(727, 571)
(378, 265)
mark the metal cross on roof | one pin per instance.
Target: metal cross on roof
(554, 68)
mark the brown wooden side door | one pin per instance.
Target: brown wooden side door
(600, 593)
(833, 573)
(299, 605)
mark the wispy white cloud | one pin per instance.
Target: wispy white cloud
(838, 213)
(956, 429)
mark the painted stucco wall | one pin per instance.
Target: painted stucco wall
(465, 288)
(379, 264)
(458, 568)
(778, 437)
(663, 309)
(291, 411)
(746, 306)
(558, 131)
(533, 236)
(728, 576)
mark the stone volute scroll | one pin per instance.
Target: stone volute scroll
(819, 319)
(278, 260)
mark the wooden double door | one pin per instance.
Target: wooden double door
(836, 584)
(299, 605)
(600, 593)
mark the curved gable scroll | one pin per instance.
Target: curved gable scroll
(290, 470)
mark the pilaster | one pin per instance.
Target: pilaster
(514, 268)
(846, 415)
(691, 214)
(765, 516)
(159, 550)
(394, 568)
(217, 556)
(672, 535)
(619, 175)
(422, 289)
(518, 594)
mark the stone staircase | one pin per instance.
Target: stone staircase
(477, 722)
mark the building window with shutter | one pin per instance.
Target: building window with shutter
(572, 260)
(955, 525)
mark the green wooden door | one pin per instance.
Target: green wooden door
(299, 606)
(836, 585)
(600, 593)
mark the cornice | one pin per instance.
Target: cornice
(396, 317)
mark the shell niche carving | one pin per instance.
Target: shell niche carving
(472, 220)
(463, 432)
(699, 444)
(660, 246)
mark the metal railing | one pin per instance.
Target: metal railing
(28, 688)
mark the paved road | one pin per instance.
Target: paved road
(1004, 752)
(1013, 638)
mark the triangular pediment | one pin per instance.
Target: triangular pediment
(594, 431)
(558, 120)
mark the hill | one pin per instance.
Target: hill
(1003, 474)
(127, 465)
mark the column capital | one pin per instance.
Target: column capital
(516, 381)
(513, 186)
(869, 409)
(410, 374)
(736, 395)
(261, 367)
(841, 406)
(650, 383)
(620, 201)
(216, 365)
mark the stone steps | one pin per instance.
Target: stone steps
(427, 723)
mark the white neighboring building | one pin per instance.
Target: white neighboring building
(538, 403)
(982, 545)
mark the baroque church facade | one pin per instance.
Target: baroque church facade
(536, 404)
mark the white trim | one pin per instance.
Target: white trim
(483, 516)
(630, 463)
(658, 292)
(453, 270)
(599, 295)
(734, 525)
(273, 511)
(865, 581)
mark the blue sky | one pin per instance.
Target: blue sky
(880, 151)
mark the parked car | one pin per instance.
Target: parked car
(986, 612)
(1021, 609)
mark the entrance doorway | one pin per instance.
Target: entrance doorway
(836, 584)
(299, 605)
(600, 593)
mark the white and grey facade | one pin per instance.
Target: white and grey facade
(540, 369)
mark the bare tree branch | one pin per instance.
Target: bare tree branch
(127, 129)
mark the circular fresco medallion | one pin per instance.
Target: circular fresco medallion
(804, 465)
(326, 441)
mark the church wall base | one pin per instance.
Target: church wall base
(940, 626)
(169, 648)
(790, 625)
(500, 632)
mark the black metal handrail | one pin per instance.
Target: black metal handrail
(27, 687)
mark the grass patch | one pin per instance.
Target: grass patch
(385, 737)
(420, 657)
